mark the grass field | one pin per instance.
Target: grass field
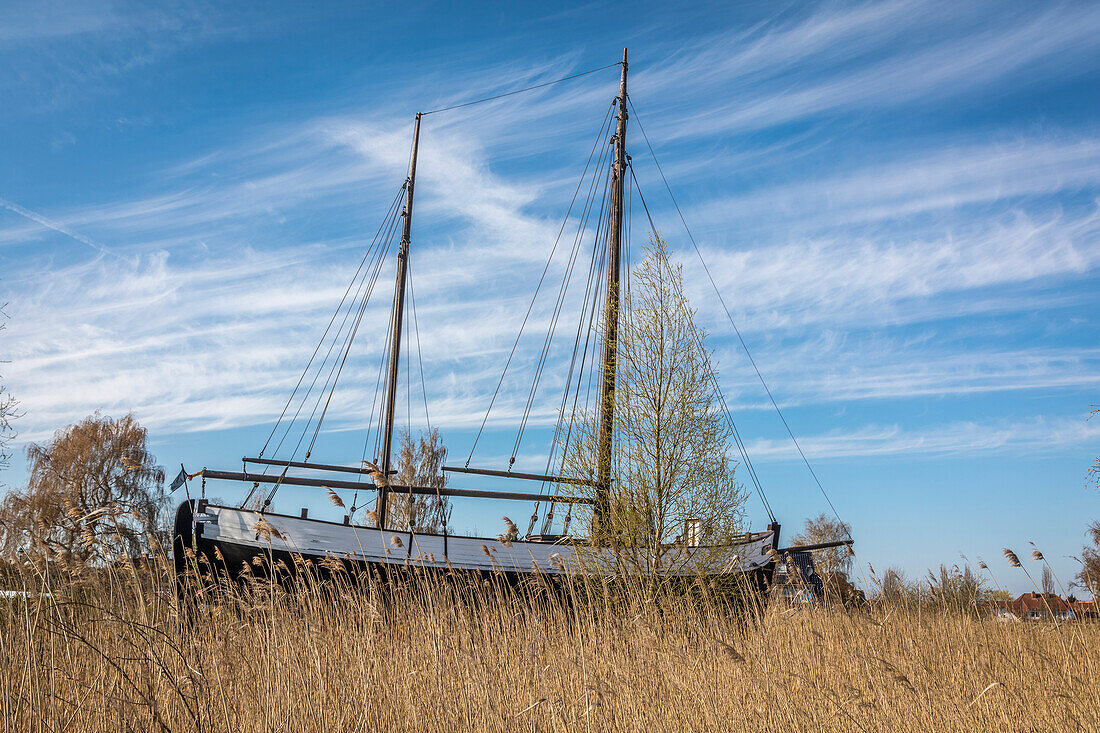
(112, 654)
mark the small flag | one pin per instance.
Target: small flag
(178, 480)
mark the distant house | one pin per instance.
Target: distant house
(1085, 610)
(1001, 610)
(1033, 607)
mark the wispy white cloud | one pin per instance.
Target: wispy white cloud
(39, 19)
(934, 176)
(60, 228)
(1035, 434)
(58, 53)
(210, 323)
(836, 369)
(862, 57)
(894, 278)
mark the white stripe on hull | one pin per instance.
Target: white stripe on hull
(311, 537)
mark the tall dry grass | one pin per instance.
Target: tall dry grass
(110, 653)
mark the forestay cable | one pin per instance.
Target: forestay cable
(736, 330)
(520, 91)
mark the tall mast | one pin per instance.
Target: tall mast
(611, 334)
(398, 312)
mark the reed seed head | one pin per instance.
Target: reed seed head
(266, 530)
(377, 475)
(557, 561)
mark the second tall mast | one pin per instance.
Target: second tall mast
(611, 333)
(398, 313)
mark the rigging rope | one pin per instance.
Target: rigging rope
(593, 289)
(555, 317)
(383, 226)
(440, 508)
(714, 381)
(593, 278)
(542, 277)
(339, 307)
(388, 236)
(338, 364)
(520, 91)
(366, 287)
(736, 330)
(419, 354)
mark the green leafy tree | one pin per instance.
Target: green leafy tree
(673, 476)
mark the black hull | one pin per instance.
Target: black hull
(228, 561)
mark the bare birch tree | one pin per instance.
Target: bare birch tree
(9, 410)
(822, 529)
(1088, 578)
(1094, 469)
(420, 463)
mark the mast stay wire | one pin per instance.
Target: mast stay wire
(376, 404)
(592, 278)
(729, 316)
(711, 373)
(367, 256)
(556, 315)
(320, 342)
(419, 353)
(520, 91)
(346, 350)
(338, 362)
(388, 224)
(441, 512)
(320, 368)
(379, 396)
(593, 290)
(542, 277)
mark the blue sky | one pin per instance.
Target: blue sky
(899, 202)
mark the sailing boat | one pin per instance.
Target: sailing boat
(246, 535)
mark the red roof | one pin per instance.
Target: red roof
(1042, 604)
(1042, 601)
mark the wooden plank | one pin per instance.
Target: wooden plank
(303, 464)
(515, 474)
(419, 490)
(819, 546)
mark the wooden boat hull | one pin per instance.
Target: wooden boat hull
(227, 537)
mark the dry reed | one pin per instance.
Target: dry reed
(111, 652)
